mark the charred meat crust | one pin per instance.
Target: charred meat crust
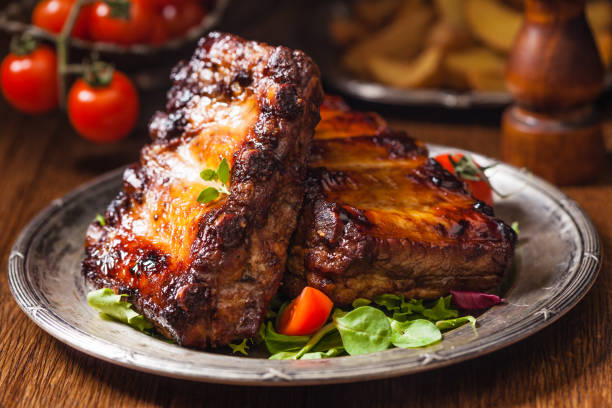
(219, 291)
(349, 248)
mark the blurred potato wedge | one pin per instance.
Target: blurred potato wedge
(402, 38)
(448, 36)
(376, 12)
(477, 68)
(604, 45)
(453, 12)
(423, 71)
(493, 22)
(457, 44)
(599, 14)
(345, 31)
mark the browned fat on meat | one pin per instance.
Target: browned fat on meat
(381, 217)
(205, 273)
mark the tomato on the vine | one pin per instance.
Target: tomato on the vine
(192, 13)
(29, 78)
(103, 108)
(179, 16)
(51, 15)
(158, 34)
(135, 29)
(470, 172)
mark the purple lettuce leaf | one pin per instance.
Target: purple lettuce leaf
(474, 300)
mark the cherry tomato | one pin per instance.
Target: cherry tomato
(51, 15)
(192, 13)
(104, 113)
(29, 82)
(105, 28)
(481, 189)
(158, 34)
(180, 16)
(306, 314)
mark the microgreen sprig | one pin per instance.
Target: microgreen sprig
(221, 176)
(101, 220)
(467, 169)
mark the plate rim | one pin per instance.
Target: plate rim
(272, 374)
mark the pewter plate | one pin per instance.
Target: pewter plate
(558, 257)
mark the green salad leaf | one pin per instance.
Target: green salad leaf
(364, 330)
(360, 302)
(284, 355)
(454, 323)
(332, 352)
(108, 303)
(414, 333)
(412, 306)
(310, 345)
(390, 302)
(277, 343)
(441, 310)
(331, 340)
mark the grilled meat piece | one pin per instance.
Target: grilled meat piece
(205, 273)
(380, 217)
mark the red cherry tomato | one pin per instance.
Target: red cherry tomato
(306, 314)
(481, 189)
(179, 16)
(158, 34)
(29, 82)
(105, 113)
(192, 13)
(172, 19)
(105, 28)
(51, 15)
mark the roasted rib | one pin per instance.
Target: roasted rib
(380, 217)
(204, 273)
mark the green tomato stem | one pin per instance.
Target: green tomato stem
(63, 50)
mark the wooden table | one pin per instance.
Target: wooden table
(567, 364)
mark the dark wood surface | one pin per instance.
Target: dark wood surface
(567, 364)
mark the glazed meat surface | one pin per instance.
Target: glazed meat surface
(205, 273)
(381, 217)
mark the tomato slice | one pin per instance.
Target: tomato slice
(480, 189)
(306, 314)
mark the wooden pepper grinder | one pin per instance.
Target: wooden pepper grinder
(554, 74)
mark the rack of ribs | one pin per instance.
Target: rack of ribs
(381, 217)
(205, 273)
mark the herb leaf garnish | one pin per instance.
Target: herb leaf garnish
(101, 220)
(221, 176)
(240, 348)
(467, 169)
